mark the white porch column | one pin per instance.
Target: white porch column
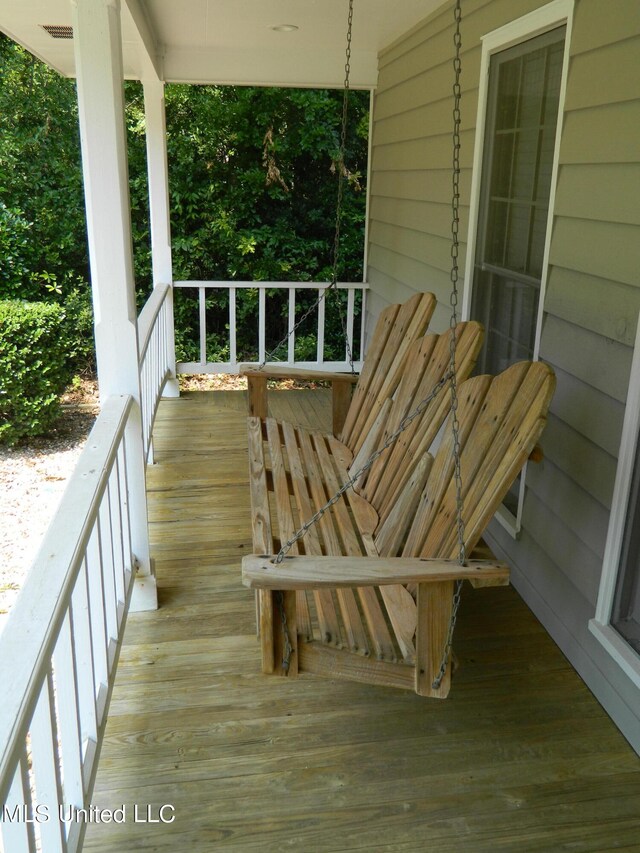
(98, 57)
(158, 172)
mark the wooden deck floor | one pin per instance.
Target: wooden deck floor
(519, 758)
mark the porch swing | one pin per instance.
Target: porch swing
(362, 538)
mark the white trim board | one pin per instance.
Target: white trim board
(600, 626)
(555, 14)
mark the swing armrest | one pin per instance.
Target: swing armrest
(341, 386)
(310, 572)
(309, 375)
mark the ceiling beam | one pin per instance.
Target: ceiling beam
(294, 67)
(151, 50)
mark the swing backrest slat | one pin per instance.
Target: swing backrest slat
(398, 327)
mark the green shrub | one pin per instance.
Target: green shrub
(79, 342)
(34, 368)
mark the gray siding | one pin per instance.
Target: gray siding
(593, 290)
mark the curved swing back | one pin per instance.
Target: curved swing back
(501, 419)
(397, 328)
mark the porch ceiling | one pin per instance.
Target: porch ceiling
(231, 41)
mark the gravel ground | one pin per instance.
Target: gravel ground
(32, 479)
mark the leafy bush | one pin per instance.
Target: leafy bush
(79, 340)
(34, 367)
(42, 220)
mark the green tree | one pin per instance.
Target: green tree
(253, 193)
(42, 244)
(252, 187)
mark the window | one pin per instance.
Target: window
(515, 164)
(524, 92)
(617, 619)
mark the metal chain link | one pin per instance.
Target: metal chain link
(333, 285)
(455, 275)
(404, 423)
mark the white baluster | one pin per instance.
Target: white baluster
(203, 325)
(262, 293)
(64, 661)
(351, 298)
(18, 835)
(291, 342)
(233, 354)
(46, 767)
(321, 313)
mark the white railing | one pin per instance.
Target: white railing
(60, 646)
(153, 357)
(204, 365)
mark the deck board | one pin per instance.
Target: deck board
(520, 757)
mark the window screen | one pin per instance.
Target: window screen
(522, 114)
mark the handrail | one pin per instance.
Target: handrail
(274, 285)
(61, 641)
(148, 317)
(319, 363)
(153, 357)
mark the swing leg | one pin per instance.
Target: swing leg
(257, 392)
(435, 602)
(273, 643)
(340, 401)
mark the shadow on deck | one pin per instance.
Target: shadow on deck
(520, 757)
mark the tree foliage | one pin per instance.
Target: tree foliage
(253, 188)
(42, 226)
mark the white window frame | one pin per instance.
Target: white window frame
(601, 626)
(555, 14)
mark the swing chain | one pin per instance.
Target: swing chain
(455, 426)
(341, 176)
(333, 284)
(455, 248)
(404, 423)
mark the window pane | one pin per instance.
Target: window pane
(524, 164)
(509, 86)
(547, 140)
(554, 78)
(508, 309)
(503, 154)
(517, 245)
(496, 232)
(537, 242)
(524, 89)
(533, 88)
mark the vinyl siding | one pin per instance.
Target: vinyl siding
(593, 289)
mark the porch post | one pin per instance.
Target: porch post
(159, 209)
(98, 57)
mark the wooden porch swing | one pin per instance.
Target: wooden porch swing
(374, 523)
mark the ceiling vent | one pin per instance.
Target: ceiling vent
(56, 31)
